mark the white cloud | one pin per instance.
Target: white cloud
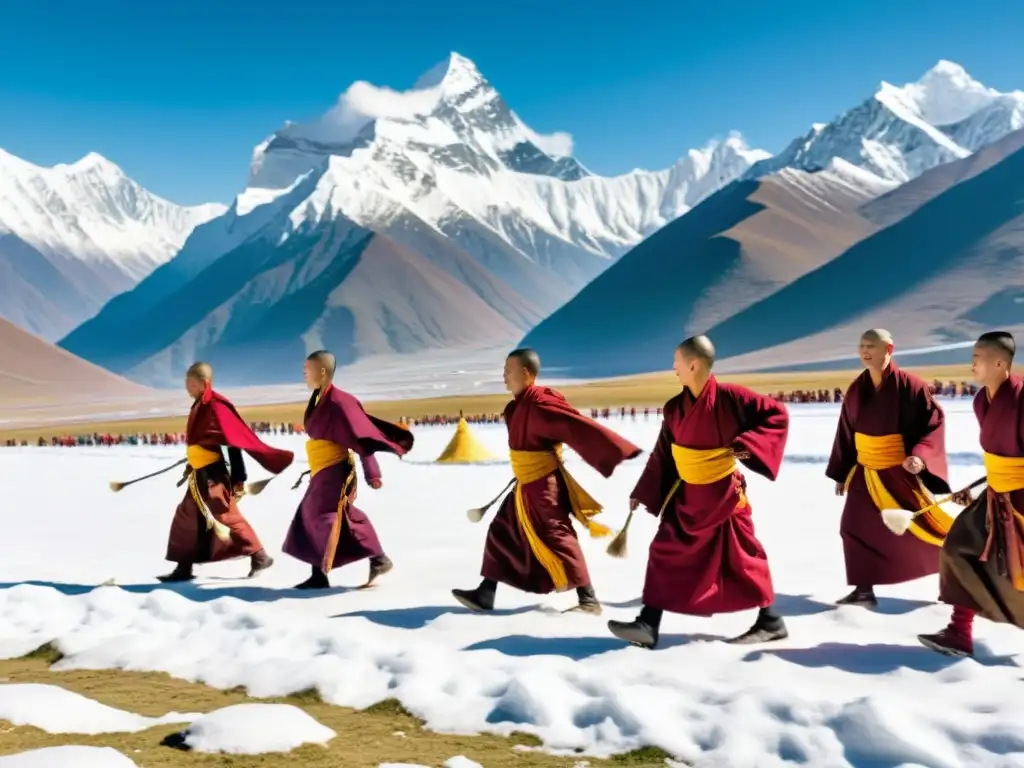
(557, 144)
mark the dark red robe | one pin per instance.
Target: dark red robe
(705, 558)
(901, 405)
(985, 546)
(213, 422)
(340, 418)
(538, 420)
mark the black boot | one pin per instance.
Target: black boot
(378, 567)
(588, 602)
(317, 580)
(642, 631)
(259, 562)
(181, 572)
(768, 627)
(863, 597)
(479, 599)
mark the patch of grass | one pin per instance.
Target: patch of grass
(305, 696)
(651, 389)
(525, 739)
(383, 733)
(642, 756)
(48, 653)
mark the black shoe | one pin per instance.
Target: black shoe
(862, 598)
(378, 567)
(636, 632)
(763, 631)
(475, 599)
(260, 562)
(318, 580)
(179, 574)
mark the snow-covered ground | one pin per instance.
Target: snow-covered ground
(849, 687)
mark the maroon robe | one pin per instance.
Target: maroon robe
(340, 418)
(538, 420)
(213, 422)
(901, 405)
(705, 558)
(985, 546)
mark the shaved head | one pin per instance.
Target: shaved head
(200, 372)
(1001, 343)
(527, 358)
(878, 334)
(325, 360)
(698, 348)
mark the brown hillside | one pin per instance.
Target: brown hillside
(33, 369)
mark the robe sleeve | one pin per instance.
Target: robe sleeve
(237, 464)
(763, 433)
(659, 475)
(844, 448)
(929, 441)
(597, 445)
(236, 434)
(371, 469)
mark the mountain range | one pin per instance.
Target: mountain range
(436, 218)
(73, 236)
(783, 247)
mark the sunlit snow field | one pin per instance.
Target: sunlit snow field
(849, 687)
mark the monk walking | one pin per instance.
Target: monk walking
(705, 558)
(531, 544)
(981, 564)
(889, 452)
(328, 530)
(207, 526)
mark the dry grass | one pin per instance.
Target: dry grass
(385, 732)
(647, 390)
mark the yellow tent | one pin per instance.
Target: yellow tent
(464, 448)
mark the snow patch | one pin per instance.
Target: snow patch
(254, 729)
(56, 710)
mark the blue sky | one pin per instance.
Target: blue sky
(177, 93)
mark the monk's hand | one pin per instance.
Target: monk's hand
(962, 497)
(914, 465)
(634, 504)
(840, 489)
(376, 483)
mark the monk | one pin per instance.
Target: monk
(705, 558)
(531, 544)
(889, 452)
(981, 564)
(328, 530)
(207, 526)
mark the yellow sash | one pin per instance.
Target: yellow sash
(876, 453)
(701, 466)
(199, 457)
(1005, 473)
(322, 454)
(531, 466)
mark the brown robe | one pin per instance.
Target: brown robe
(537, 420)
(901, 405)
(984, 549)
(213, 422)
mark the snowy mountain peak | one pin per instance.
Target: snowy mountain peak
(945, 94)
(455, 74)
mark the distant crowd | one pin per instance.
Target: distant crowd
(947, 389)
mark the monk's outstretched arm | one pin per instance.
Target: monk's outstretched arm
(844, 448)
(371, 469)
(763, 434)
(658, 476)
(596, 444)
